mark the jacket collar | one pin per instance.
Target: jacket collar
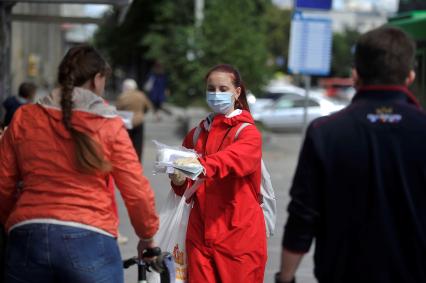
(235, 118)
(207, 123)
(83, 100)
(386, 92)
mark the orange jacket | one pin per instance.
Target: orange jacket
(38, 151)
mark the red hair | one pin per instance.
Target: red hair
(241, 102)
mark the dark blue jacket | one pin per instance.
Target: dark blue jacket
(360, 191)
(159, 87)
(11, 104)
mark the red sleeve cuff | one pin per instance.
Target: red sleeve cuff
(204, 164)
(179, 190)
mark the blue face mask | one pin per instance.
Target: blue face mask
(220, 102)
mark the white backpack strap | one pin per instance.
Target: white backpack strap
(269, 205)
(243, 125)
(207, 123)
(196, 136)
(191, 190)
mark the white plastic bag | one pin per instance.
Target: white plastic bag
(171, 236)
(269, 202)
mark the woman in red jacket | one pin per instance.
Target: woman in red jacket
(226, 236)
(63, 151)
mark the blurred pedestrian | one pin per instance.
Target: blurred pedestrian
(62, 225)
(133, 100)
(156, 87)
(226, 235)
(26, 94)
(359, 188)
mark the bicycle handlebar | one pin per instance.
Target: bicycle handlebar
(152, 252)
(129, 262)
(163, 264)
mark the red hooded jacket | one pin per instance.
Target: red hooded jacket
(226, 214)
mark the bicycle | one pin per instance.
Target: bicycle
(163, 264)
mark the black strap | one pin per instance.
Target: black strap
(223, 139)
(221, 143)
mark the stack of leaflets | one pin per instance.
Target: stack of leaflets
(166, 157)
(191, 171)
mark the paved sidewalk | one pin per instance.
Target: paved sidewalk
(280, 152)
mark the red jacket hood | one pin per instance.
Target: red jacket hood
(90, 112)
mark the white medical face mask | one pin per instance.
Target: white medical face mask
(220, 102)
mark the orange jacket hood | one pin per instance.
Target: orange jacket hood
(94, 111)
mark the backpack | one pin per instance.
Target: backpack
(268, 200)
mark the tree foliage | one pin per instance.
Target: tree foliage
(343, 47)
(278, 23)
(232, 32)
(122, 40)
(171, 41)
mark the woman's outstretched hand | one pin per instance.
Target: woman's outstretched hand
(178, 178)
(143, 245)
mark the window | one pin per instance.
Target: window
(279, 95)
(301, 103)
(284, 104)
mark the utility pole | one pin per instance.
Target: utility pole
(5, 48)
(307, 83)
(199, 12)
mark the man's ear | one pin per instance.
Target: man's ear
(410, 78)
(356, 79)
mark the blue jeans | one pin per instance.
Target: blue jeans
(44, 253)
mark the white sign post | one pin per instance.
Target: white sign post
(310, 50)
(310, 45)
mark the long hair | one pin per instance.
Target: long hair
(80, 65)
(241, 102)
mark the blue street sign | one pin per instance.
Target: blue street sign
(310, 45)
(106, 2)
(313, 4)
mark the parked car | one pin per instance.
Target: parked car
(272, 93)
(287, 111)
(338, 88)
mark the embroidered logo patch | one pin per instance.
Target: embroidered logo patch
(384, 115)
